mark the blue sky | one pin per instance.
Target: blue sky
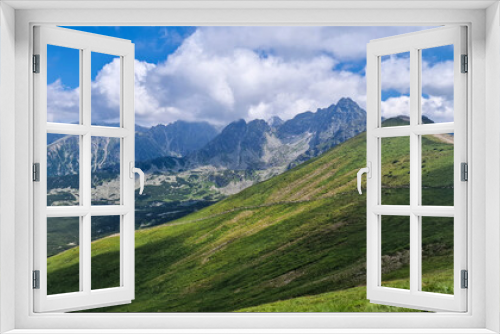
(220, 74)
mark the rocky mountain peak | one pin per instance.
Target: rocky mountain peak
(346, 103)
(275, 121)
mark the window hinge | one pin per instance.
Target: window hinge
(36, 63)
(36, 279)
(465, 279)
(36, 172)
(465, 64)
(464, 171)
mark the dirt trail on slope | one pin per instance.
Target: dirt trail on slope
(446, 138)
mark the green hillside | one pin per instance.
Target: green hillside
(348, 300)
(301, 233)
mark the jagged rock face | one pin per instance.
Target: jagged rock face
(260, 145)
(63, 156)
(330, 127)
(275, 122)
(239, 146)
(173, 140)
(346, 117)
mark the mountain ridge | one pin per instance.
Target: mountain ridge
(260, 145)
(241, 145)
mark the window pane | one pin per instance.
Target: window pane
(395, 177)
(395, 89)
(105, 171)
(106, 253)
(396, 252)
(63, 84)
(437, 169)
(63, 170)
(437, 84)
(106, 88)
(437, 254)
(63, 236)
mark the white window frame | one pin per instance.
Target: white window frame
(85, 297)
(483, 314)
(413, 43)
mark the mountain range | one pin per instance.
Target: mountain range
(241, 145)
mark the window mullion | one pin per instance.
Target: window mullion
(85, 254)
(81, 181)
(414, 172)
(85, 171)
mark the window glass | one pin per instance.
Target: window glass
(63, 236)
(63, 170)
(395, 89)
(395, 171)
(105, 171)
(105, 252)
(437, 254)
(106, 90)
(63, 84)
(438, 169)
(437, 84)
(395, 260)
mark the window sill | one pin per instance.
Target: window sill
(253, 331)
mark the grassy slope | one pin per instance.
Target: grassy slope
(352, 299)
(298, 234)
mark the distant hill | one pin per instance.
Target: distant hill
(403, 120)
(301, 233)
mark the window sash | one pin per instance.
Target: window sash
(86, 297)
(414, 298)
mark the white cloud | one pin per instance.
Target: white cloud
(395, 74)
(437, 87)
(438, 108)
(345, 43)
(146, 106)
(106, 94)
(395, 106)
(437, 79)
(223, 88)
(63, 104)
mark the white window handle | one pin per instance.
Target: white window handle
(134, 170)
(368, 171)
